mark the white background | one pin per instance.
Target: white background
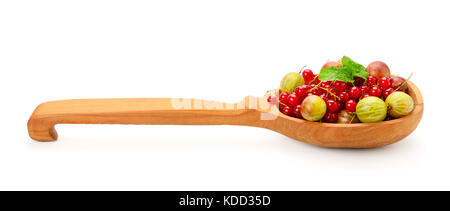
(217, 50)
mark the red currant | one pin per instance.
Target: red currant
(340, 86)
(326, 86)
(387, 92)
(293, 100)
(349, 85)
(287, 110)
(272, 100)
(371, 80)
(317, 91)
(308, 75)
(343, 97)
(330, 117)
(324, 96)
(298, 111)
(341, 106)
(354, 92)
(359, 81)
(332, 106)
(364, 89)
(283, 97)
(325, 83)
(334, 91)
(351, 105)
(375, 91)
(316, 79)
(384, 83)
(365, 95)
(301, 99)
(301, 90)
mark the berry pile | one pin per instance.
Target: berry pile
(348, 93)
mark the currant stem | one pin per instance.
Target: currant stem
(272, 90)
(329, 92)
(354, 115)
(314, 79)
(302, 68)
(281, 103)
(404, 82)
(315, 87)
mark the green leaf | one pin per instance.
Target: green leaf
(346, 72)
(328, 74)
(362, 74)
(341, 73)
(358, 70)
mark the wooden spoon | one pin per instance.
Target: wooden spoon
(251, 111)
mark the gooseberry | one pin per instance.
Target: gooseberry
(371, 109)
(313, 108)
(399, 104)
(378, 69)
(347, 117)
(332, 64)
(397, 81)
(290, 81)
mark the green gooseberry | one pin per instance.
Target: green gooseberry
(290, 81)
(399, 104)
(371, 109)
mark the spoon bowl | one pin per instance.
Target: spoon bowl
(355, 135)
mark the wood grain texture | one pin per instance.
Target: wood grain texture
(251, 111)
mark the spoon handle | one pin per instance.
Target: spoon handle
(151, 111)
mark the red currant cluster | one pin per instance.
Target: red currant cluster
(338, 95)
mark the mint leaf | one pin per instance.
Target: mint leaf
(328, 74)
(346, 72)
(358, 70)
(362, 74)
(341, 73)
